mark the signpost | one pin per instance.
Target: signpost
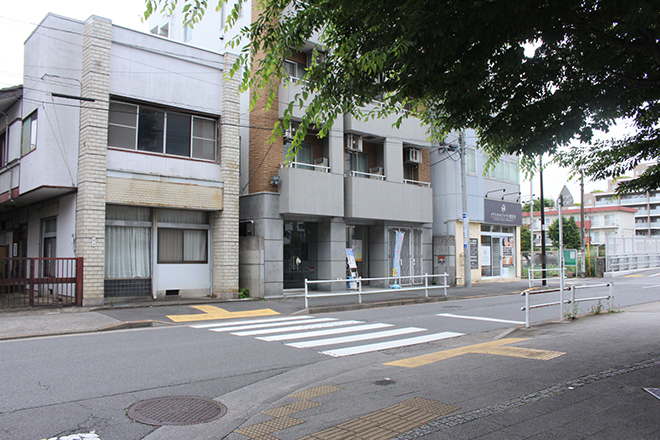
(565, 199)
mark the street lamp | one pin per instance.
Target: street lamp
(495, 190)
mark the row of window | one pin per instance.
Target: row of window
(503, 170)
(143, 128)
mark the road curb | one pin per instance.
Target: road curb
(119, 326)
(376, 305)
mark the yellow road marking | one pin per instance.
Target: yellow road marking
(213, 312)
(281, 420)
(632, 276)
(493, 347)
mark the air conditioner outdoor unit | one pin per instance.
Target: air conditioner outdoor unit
(413, 155)
(320, 57)
(353, 142)
(322, 162)
(377, 170)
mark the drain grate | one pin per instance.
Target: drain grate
(176, 410)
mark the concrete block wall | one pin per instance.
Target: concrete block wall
(251, 269)
(225, 246)
(444, 257)
(90, 211)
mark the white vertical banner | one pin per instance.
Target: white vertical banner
(398, 244)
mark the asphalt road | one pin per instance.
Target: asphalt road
(54, 386)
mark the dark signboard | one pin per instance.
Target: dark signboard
(474, 253)
(498, 212)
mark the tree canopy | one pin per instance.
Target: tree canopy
(468, 64)
(570, 233)
(548, 203)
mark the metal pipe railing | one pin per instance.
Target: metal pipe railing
(359, 289)
(573, 300)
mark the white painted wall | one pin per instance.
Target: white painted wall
(52, 64)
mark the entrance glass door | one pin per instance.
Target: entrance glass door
(300, 253)
(496, 258)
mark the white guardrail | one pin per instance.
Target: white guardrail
(359, 290)
(617, 263)
(532, 279)
(573, 300)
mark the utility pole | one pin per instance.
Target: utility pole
(544, 281)
(582, 211)
(464, 202)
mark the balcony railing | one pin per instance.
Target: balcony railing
(416, 182)
(309, 166)
(366, 175)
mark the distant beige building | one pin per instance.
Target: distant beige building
(600, 223)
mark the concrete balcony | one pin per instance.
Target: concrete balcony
(414, 131)
(312, 192)
(382, 200)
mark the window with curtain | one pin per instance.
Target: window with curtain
(127, 242)
(305, 154)
(182, 236)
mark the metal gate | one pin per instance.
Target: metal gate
(410, 256)
(38, 282)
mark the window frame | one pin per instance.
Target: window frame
(163, 132)
(190, 227)
(298, 68)
(471, 160)
(4, 141)
(31, 121)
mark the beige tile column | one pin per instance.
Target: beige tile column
(225, 222)
(90, 203)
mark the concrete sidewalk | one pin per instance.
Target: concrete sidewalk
(593, 388)
(140, 313)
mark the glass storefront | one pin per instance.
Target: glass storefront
(498, 251)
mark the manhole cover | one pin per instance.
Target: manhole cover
(176, 410)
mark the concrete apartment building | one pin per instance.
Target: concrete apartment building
(647, 204)
(122, 148)
(354, 189)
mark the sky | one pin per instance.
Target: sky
(18, 20)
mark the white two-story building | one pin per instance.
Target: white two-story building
(122, 148)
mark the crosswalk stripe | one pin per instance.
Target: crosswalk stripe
(251, 321)
(390, 344)
(355, 338)
(479, 318)
(274, 324)
(331, 331)
(295, 328)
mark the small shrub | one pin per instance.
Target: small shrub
(244, 293)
